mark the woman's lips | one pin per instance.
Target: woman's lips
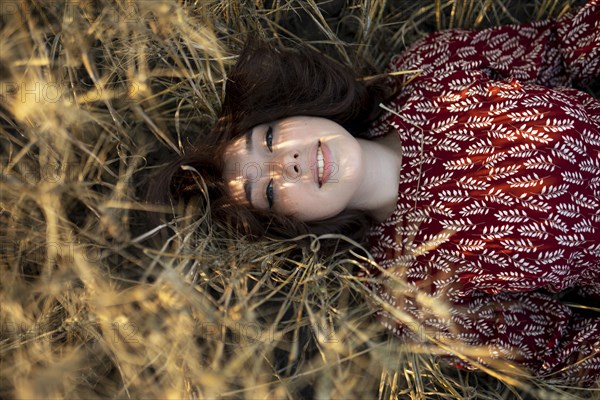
(321, 177)
(314, 165)
(328, 167)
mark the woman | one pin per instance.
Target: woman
(477, 187)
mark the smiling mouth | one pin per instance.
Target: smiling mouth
(320, 165)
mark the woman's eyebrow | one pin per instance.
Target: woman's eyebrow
(248, 190)
(247, 182)
(248, 140)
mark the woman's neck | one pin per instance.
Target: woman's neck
(377, 195)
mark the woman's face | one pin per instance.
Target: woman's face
(306, 167)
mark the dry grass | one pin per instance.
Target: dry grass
(92, 306)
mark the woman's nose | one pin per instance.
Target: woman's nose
(291, 168)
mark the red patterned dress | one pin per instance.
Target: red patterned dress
(498, 212)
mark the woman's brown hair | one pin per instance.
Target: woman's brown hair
(269, 83)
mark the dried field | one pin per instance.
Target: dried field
(94, 304)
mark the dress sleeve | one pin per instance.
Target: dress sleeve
(531, 330)
(534, 330)
(553, 53)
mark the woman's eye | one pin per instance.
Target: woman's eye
(269, 139)
(270, 193)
